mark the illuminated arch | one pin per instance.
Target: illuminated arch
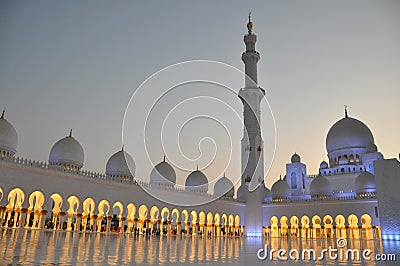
(73, 202)
(175, 215)
(284, 221)
(224, 219)
(294, 221)
(328, 220)
(209, 218)
(88, 206)
(366, 220)
(154, 213)
(340, 221)
(143, 212)
(58, 201)
(316, 221)
(15, 198)
(202, 218)
(131, 211)
(164, 214)
(273, 221)
(231, 220)
(305, 221)
(194, 217)
(237, 220)
(352, 220)
(185, 216)
(2, 193)
(217, 219)
(36, 200)
(101, 208)
(120, 206)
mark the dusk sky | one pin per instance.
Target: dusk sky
(76, 64)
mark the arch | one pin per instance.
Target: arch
(284, 221)
(194, 217)
(101, 208)
(143, 212)
(154, 213)
(366, 220)
(231, 220)
(274, 226)
(352, 220)
(36, 200)
(328, 220)
(294, 221)
(316, 224)
(237, 220)
(2, 193)
(366, 226)
(316, 221)
(305, 221)
(175, 215)
(185, 214)
(217, 218)
(224, 219)
(328, 226)
(273, 221)
(73, 202)
(165, 214)
(202, 217)
(57, 202)
(88, 206)
(131, 211)
(340, 221)
(209, 218)
(15, 198)
(120, 206)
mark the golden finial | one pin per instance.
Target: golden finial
(345, 111)
(249, 24)
(164, 158)
(2, 114)
(70, 133)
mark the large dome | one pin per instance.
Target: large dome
(280, 189)
(67, 152)
(197, 181)
(121, 164)
(320, 186)
(348, 133)
(223, 186)
(163, 173)
(8, 137)
(365, 182)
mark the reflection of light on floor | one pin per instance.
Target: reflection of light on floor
(57, 247)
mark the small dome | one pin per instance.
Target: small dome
(267, 194)
(320, 186)
(343, 161)
(121, 164)
(280, 190)
(241, 192)
(365, 182)
(67, 152)
(163, 173)
(348, 133)
(372, 148)
(323, 165)
(8, 137)
(197, 181)
(223, 186)
(295, 158)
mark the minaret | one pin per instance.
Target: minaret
(251, 96)
(252, 143)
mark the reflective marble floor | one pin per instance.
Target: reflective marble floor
(41, 247)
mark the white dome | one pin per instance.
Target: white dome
(67, 151)
(8, 136)
(323, 165)
(365, 182)
(163, 173)
(121, 164)
(372, 148)
(223, 186)
(348, 133)
(295, 158)
(197, 181)
(280, 189)
(320, 186)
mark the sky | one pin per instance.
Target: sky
(76, 64)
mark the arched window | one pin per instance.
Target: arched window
(351, 160)
(293, 180)
(357, 158)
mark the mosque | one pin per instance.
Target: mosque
(353, 195)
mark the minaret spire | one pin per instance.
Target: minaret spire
(2, 114)
(70, 133)
(249, 24)
(345, 111)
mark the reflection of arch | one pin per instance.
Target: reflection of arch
(131, 211)
(57, 202)
(143, 212)
(120, 206)
(73, 202)
(154, 212)
(164, 214)
(88, 206)
(15, 198)
(237, 220)
(101, 208)
(36, 201)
